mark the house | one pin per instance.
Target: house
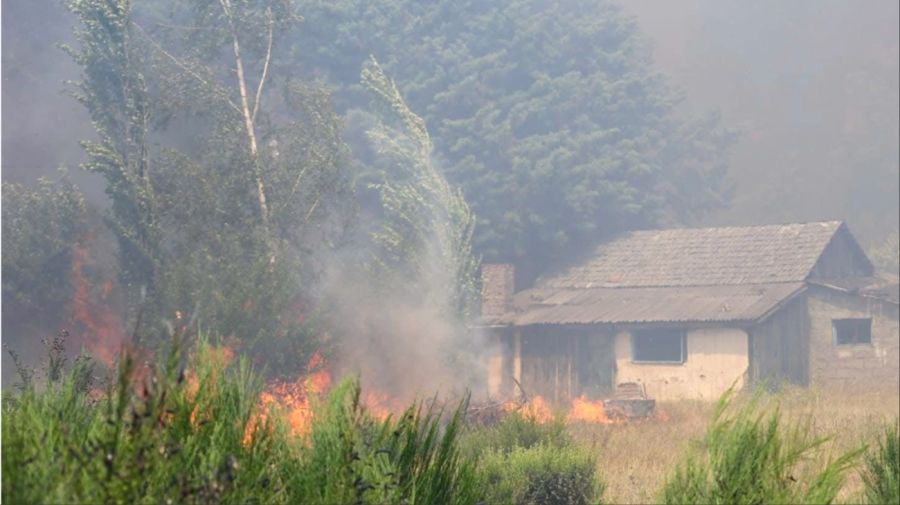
(686, 313)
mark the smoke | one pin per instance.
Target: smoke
(401, 344)
(402, 314)
(813, 86)
(42, 124)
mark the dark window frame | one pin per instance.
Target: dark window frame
(855, 331)
(678, 333)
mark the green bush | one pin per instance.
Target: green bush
(523, 461)
(750, 457)
(351, 458)
(170, 435)
(150, 440)
(541, 474)
(881, 474)
(516, 431)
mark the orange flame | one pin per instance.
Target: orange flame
(582, 410)
(292, 399)
(97, 326)
(381, 405)
(587, 411)
(538, 409)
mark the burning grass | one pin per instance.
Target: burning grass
(202, 427)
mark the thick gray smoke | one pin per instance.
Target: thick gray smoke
(814, 86)
(403, 346)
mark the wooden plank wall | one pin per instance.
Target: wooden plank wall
(779, 346)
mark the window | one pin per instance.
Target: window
(852, 331)
(658, 346)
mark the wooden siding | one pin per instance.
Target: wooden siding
(843, 257)
(549, 367)
(779, 346)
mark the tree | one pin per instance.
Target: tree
(243, 168)
(115, 93)
(548, 115)
(41, 227)
(426, 235)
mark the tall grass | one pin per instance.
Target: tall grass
(522, 461)
(750, 456)
(177, 432)
(174, 435)
(351, 458)
(881, 474)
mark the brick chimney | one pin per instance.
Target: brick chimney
(497, 288)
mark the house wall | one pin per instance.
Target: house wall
(842, 258)
(547, 364)
(876, 365)
(716, 358)
(501, 362)
(779, 345)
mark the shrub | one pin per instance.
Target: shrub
(881, 474)
(749, 457)
(167, 434)
(541, 474)
(351, 458)
(516, 431)
(149, 438)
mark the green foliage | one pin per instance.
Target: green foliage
(548, 115)
(523, 461)
(41, 227)
(352, 458)
(150, 440)
(427, 231)
(541, 474)
(227, 174)
(180, 432)
(517, 431)
(751, 457)
(115, 93)
(882, 468)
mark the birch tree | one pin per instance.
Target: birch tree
(237, 167)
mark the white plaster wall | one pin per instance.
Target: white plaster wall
(716, 358)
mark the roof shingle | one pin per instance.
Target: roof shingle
(702, 257)
(686, 304)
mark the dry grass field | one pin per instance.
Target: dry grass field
(636, 458)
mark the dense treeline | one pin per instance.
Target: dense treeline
(240, 150)
(549, 116)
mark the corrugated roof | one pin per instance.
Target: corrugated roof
(702, 257)
(732, 303)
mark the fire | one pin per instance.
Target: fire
(538, 409)
(587, 411)
(320, 380)
(581, 410)
(381, 405)
(293, 399)
(97, 325)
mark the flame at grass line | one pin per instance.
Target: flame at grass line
(98, 327)
(294, 398)
(381, 405)
(587, 411)
(581, 410)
